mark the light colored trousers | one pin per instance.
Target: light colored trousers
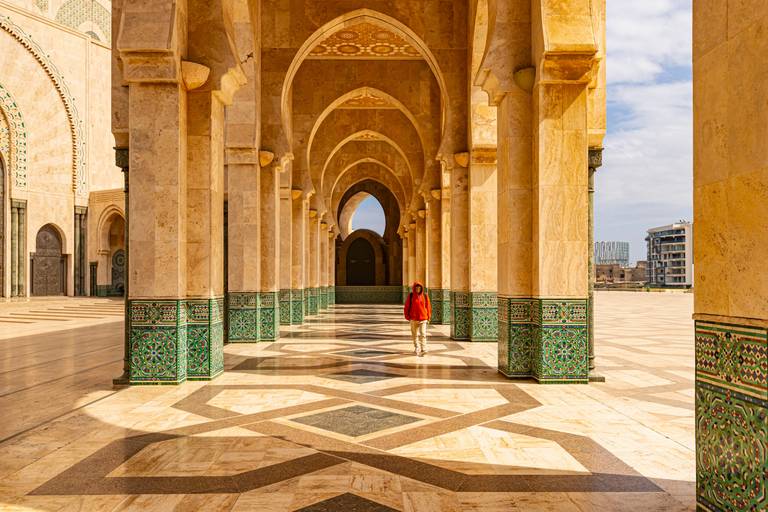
(419, 334)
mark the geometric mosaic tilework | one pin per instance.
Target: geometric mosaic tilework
(441, 305)
(285, 307)
(543, 338)
(312, 300)
(13, 139)
(731, 416)
(483, 316)
(460, 315)
(158, 341)
(243, 314)
(269, 316)
(323, 298)
(74, 13)
(331, 295)
(205, 338)
(297, 306)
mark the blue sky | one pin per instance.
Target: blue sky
(647, 174)
(369, 215)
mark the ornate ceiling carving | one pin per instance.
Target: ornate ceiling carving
(367, 98)
(364, 41)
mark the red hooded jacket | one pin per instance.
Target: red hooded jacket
(418, 306)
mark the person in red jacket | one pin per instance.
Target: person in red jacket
(418, 311)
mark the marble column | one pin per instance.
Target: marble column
(413, 266)
(595, 162)
(80, 250)
(322, 302)
(269, 302)
(515, 218)
(205, 235)
(421, 247)
(434, 284)
(460, 299)
(483, 245)
(286, 244)
(18, 248)
(244, 244)
(730, 208)
(331, 267)
(406, 265)
(157, 280)
(298, 253)
(545, 308)
(313, 255)
(121, 161)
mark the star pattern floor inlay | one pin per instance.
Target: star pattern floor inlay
(339, 415)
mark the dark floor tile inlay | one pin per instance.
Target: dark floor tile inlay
(348, 503)
(356, 420)
(366, 353)
(362, 376)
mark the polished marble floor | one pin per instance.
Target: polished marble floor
(339, 415)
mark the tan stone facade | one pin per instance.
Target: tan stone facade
(56, 150)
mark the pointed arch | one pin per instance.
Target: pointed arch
(379, 137)
(347, 20)
(13, 140)
(397, 104)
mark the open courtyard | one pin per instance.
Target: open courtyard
(340, 415)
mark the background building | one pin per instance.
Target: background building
(670, 255)
(56, 151)
(612, 253)
(616, 274)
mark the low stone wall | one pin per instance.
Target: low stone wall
(368, 294)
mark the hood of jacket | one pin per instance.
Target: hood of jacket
(415, 284)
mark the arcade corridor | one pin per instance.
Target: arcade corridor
(339, 415)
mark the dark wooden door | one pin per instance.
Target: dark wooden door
(118, 272)
(48, 263)
(361, 264)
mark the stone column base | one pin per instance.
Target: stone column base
(543, 338)
(285, 307)
(406, 292)
(731, 412)
(205, 338)
(474, 316)
(157, 332)
(243, 315)
(322, 298)
(312, 301)
(441, 306)
(297, 306)
(331, 295)
(269, 316)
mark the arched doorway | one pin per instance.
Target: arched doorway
(361, 265)
(110, 268)
(48, 263)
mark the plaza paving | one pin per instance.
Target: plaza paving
(339, 415)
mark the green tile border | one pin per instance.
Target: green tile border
(543, 338)
(368, 295)
(158, 341)
(297, 306)
(441, 305)
(243, 316)
(205, 338)
(731, 416)
(285, 306)
(269, 316)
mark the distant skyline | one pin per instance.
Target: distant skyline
(647, 175)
